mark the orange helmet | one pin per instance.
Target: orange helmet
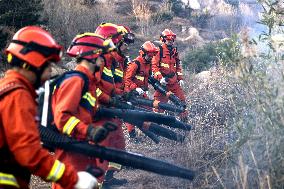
(89, 46)
(34, 46)
(148, 48)
(167, 34)
(117, 33)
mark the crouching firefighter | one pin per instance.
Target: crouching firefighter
(137, 74)
(30, 53)
(166, 67)
(74, 99)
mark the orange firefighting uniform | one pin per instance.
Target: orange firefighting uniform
(168, 66)
(119, 69)
(72, 118)
(106, 89)
(136, 77)
(20, 149)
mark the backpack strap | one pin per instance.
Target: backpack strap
(138, 64)
(69, 74)
(45, 100)
(161, 54)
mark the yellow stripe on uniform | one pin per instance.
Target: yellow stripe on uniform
(90, 98)
(8, 179)
(108, 72)
(165, 65)
(99, 92)
(56, 171)
(157, 73)
(114, 165)
(70, 124)
(179, 73)
(141, 78)
(118, 72)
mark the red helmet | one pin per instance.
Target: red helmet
(89, 46)
(117, 33)
(35, 46)
(167, 34)
(148, 48)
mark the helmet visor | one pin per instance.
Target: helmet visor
(170, 37)
(151, 54)
(108, 46)
(129, 38)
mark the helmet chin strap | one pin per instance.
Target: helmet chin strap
(38, 72)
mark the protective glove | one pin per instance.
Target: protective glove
(181, 83)
(163, 81)
(140, 91)
(98, 133)
(86, 181)
(115, 100)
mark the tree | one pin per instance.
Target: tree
(15, 14)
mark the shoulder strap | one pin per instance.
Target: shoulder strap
(138, 64)
(9, 87)
(46, 97)
(58, 81)
(161, 54)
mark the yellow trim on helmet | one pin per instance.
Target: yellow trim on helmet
(89, 34)
(9, 58)
(108, 24)
(121, 29)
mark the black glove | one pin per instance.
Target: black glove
(98, 133)
(115, 100)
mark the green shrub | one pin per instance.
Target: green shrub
(162, 17)
(229, 51)
(200, 59)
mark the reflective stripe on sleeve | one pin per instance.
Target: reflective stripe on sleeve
(165, 65)
(108, 72)
(99, 92)
(118, 73)
(56, 171)
(8, 179)
(141, 78)
(88, 96)
(114, 165)
(70, 124)
(157, 73)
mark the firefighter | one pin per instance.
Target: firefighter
(74, 110)
(121, 60)
(30, 53)
(112, 84)
(167, 68)
(137, 74)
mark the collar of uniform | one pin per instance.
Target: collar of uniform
(141, 60)
(118, 57)
(13, 74)
(86, 71)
